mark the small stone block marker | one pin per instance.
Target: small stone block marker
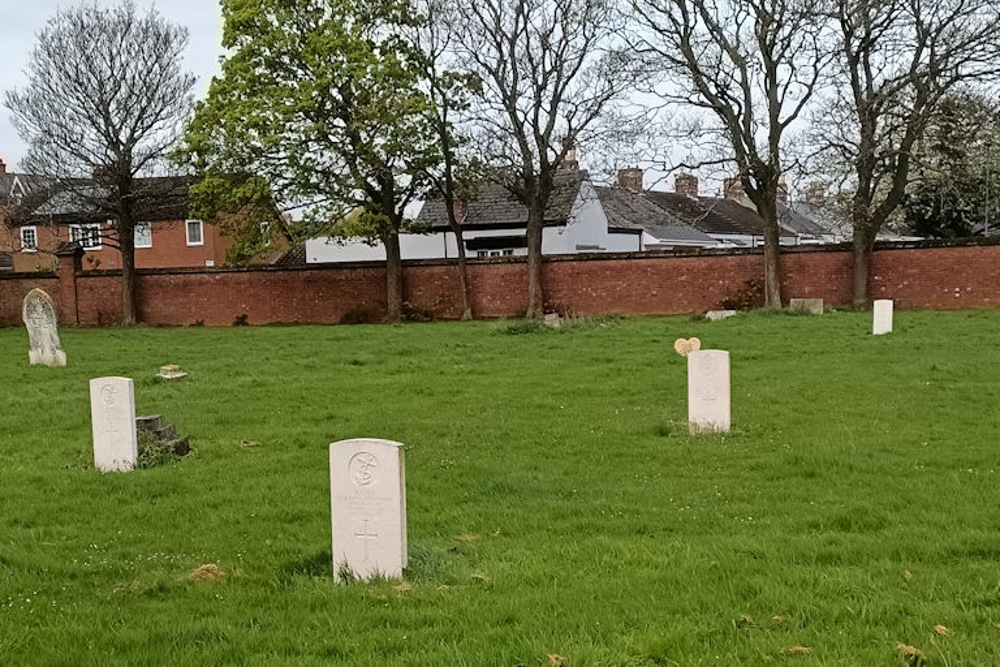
(811, 306)
(716, 315)
(112, 414)
(553, 321)
(708, 391)
(39, 317)
(368, 508)
(171, 372)
(882, 317)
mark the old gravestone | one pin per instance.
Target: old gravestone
(882, 317)
(708, 391)
(810, 306)
(112, 414)
(368, 508)
(716, 315)
(39, 317)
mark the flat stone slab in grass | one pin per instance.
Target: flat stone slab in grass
(708, 391)
(171, 372)
(39, 315)
(882, 317)
(112, 414)
(368, 508)
(553, 321)
(716, 315)
(811, 306)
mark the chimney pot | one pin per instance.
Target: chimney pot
(733, 188)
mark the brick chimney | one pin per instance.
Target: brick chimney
(630, 178)
(732, 188)
(687, 185)
(3, 167)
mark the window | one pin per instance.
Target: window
(143, 235)
(194, 233)
(88, 236)
(29, 239)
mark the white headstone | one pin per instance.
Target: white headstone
(368, 508)
(716, 315)
(811, 306)
(112, 413)
(882, 317)
(39, 317)
(553, 321)
(708, 391)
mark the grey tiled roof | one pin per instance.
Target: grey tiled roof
(494, 206)
(626, 209)
(712, 215)
(157, 198)
(294, 256)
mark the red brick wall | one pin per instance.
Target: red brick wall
(938, 277)
(13, 288)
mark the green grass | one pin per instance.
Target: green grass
(605, 533)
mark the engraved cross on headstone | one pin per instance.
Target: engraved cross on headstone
(366, 536)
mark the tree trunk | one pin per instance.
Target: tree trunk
(536, 293)
(863, 246)
(393, 278)
(772, 264)
(126, 245)
(463, 273)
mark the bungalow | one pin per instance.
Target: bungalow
(580, 218)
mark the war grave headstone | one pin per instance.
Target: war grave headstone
(708, 387)
(112, 414)
(368, 508)
(39, 315)
(882, 317)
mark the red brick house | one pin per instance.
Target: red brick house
(38, 218)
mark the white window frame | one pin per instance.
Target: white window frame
(135, 234)
(76, 235)
(34, 233)
(201, 232)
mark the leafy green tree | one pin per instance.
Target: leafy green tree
(322, 99)
(953, 192)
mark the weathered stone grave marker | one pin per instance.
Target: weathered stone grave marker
(716, 315)
(553, 321)
(882, 317)
(39, 317)
(708, 391)
(112, 414)
(368, 508)
(811, 306)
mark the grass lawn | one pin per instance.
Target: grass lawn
(556, 504)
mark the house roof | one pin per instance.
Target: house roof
(494, 206)
(628, 210)
(713, 215)
(157, 198)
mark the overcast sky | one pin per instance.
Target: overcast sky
(20, 21)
